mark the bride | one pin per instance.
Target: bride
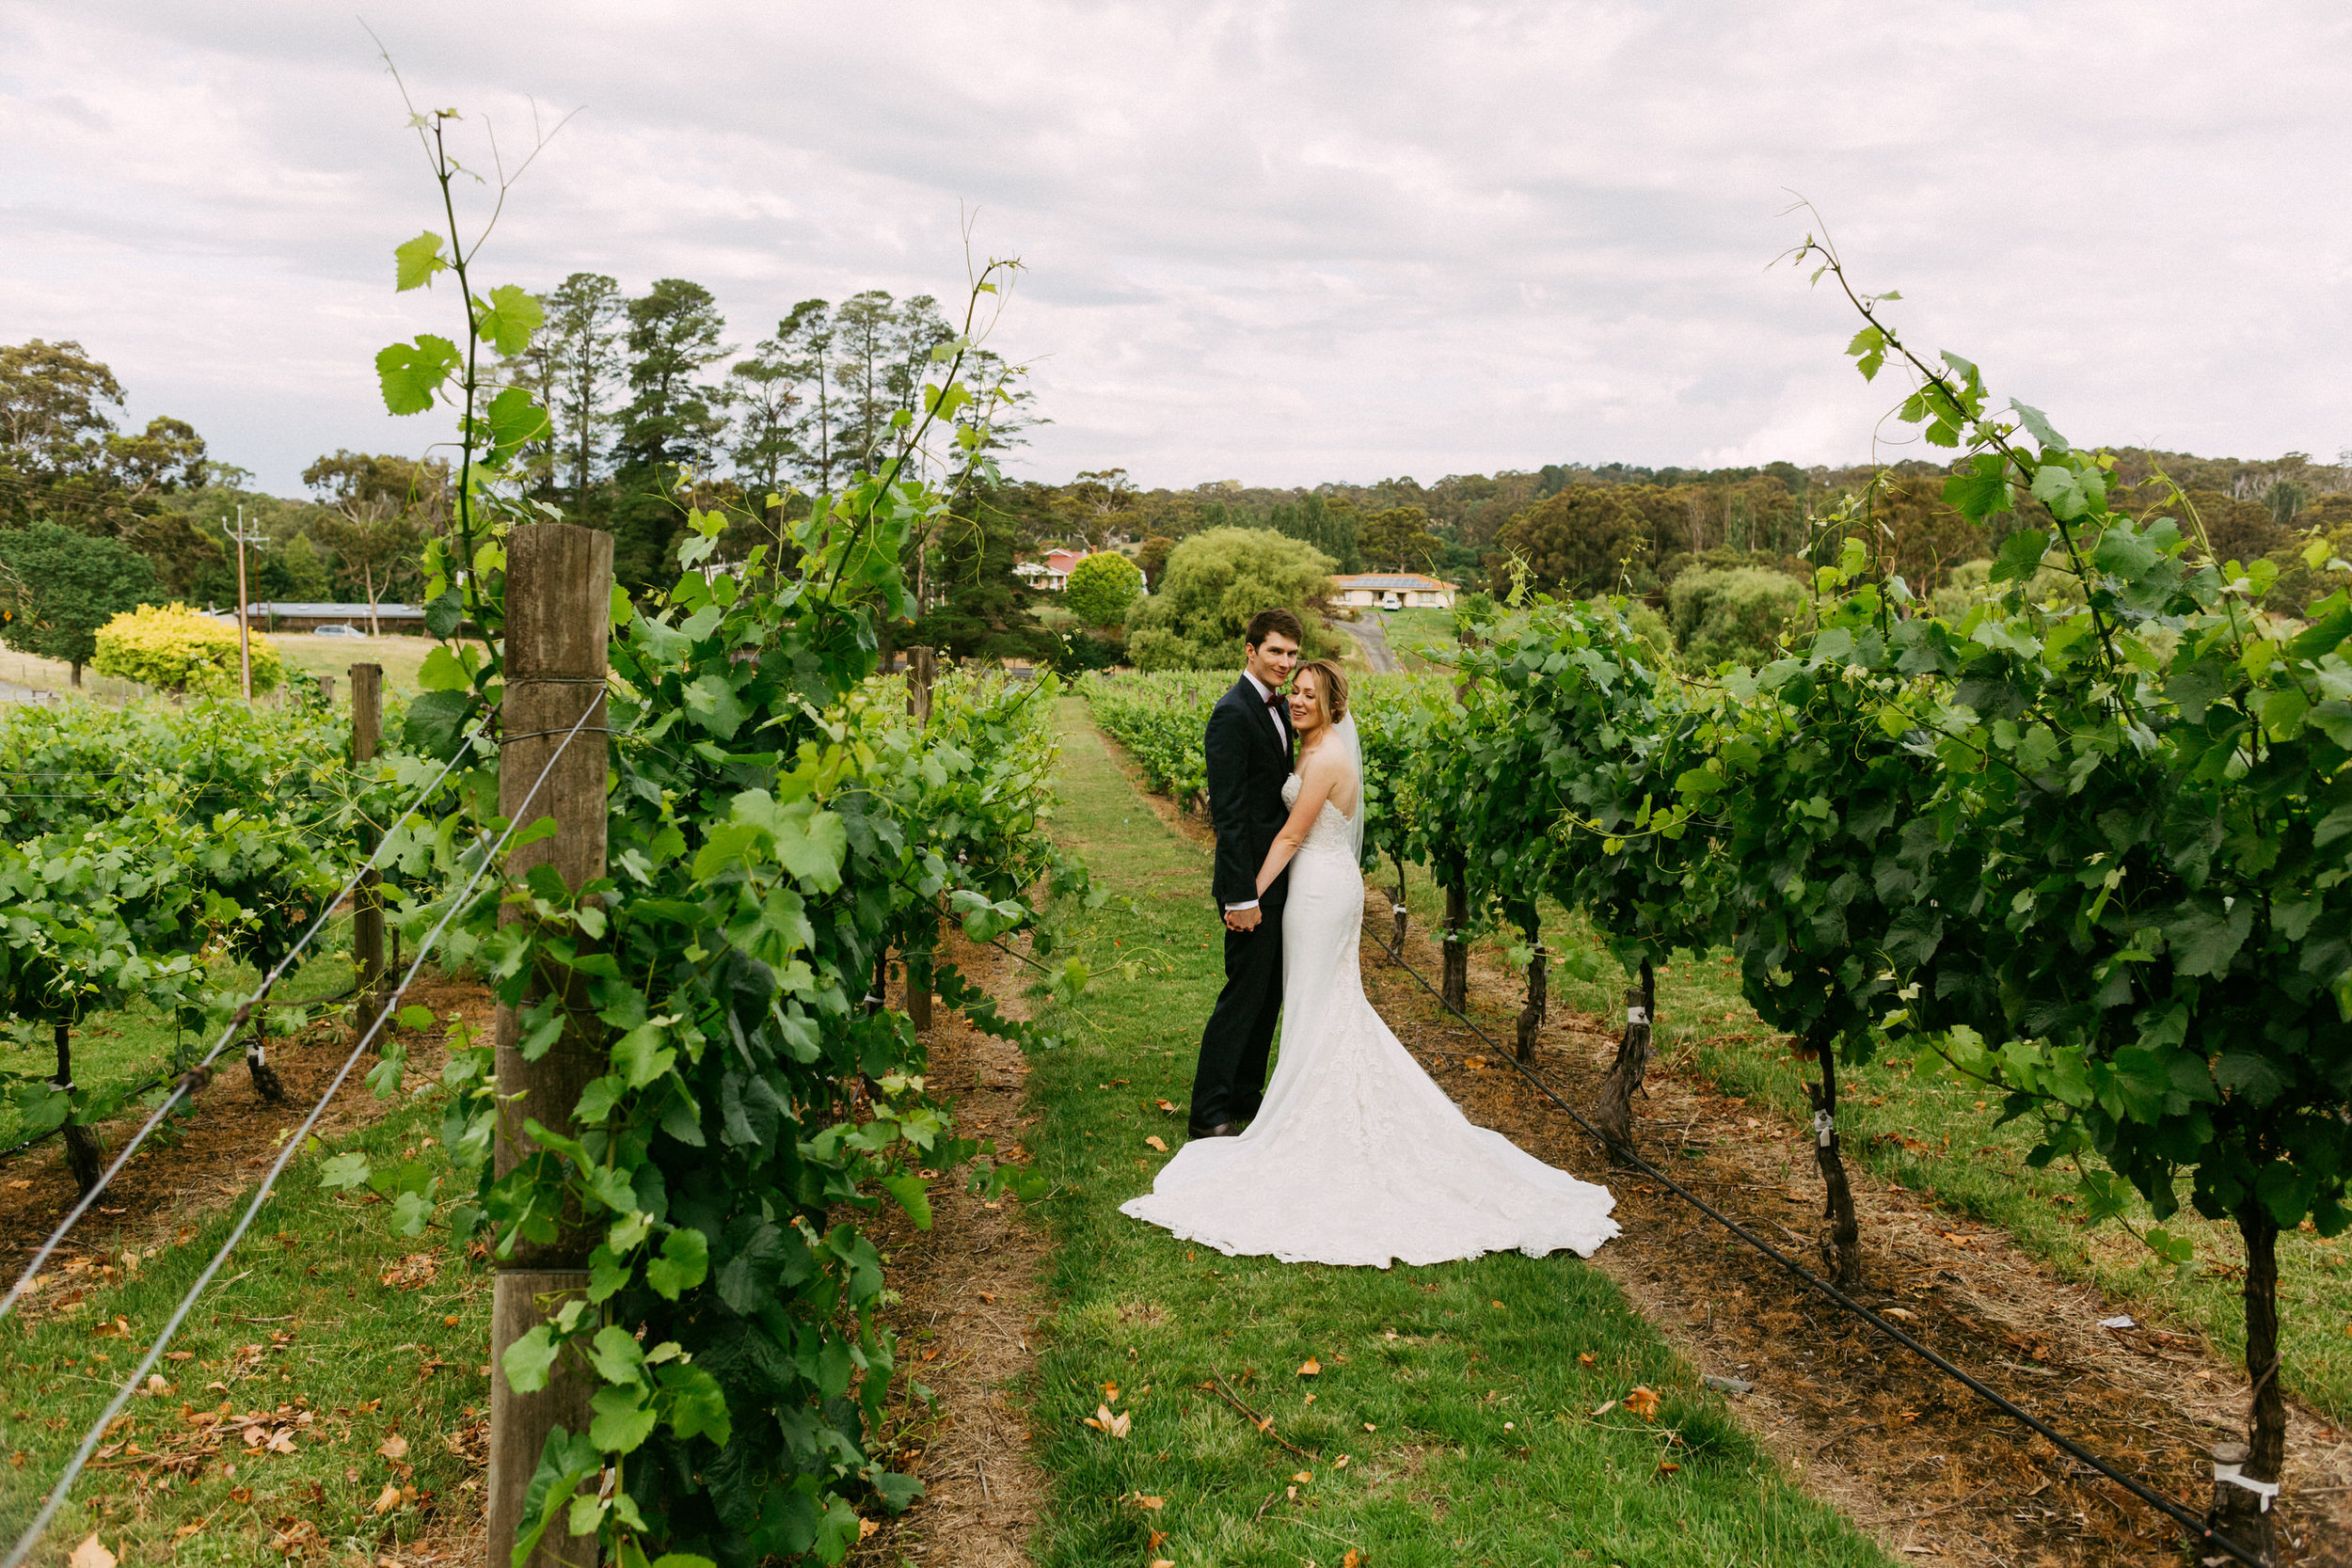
(1357, 1156)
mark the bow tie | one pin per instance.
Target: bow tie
(1272, 698)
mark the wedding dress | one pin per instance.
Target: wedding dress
(1358, 1157)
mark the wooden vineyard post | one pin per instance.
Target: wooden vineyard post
(922, 669)
(559, 588)
(327, 689)
(367, 901)
(1614, 1113)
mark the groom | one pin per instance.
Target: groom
(1249, 750)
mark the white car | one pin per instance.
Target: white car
(344, 630)
(1389, 601)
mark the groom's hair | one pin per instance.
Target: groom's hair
(1267, 622)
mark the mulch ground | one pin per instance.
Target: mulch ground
(1911, 1456)
(191, 1167)
(970, 1300)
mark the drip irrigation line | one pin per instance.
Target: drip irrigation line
(200, 1074)
(2199, 1529)
(55, 1499)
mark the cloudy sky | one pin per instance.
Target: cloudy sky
(1277, 242)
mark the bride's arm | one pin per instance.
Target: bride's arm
(1314, 787)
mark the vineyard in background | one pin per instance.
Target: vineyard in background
(2089, 848)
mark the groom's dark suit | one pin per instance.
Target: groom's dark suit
(1248, 755)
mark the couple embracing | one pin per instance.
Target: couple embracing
(1351, 1154)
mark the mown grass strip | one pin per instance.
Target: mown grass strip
(368, 1382)
(1454, 1416)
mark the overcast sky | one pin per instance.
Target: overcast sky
(1278, 243)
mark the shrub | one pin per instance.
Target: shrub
(1731, 615)
(1102, 587)
(181, 650)
(1216, 579)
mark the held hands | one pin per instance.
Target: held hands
(1242, 920)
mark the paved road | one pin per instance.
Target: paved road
(1372, 638)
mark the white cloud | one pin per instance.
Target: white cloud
(1281, 243)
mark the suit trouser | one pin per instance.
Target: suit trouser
(1231, 1079)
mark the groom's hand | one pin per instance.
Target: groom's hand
(1242, 920)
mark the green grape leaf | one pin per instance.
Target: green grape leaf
(625, 1419)
(415, 261)
(527, 1360)
(2036, 424)
(698, 1407)
(514, 419)
(410, 374)
(345, 1172)
(508, 318)
(684, 1263)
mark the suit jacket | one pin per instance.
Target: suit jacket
(1246, 766)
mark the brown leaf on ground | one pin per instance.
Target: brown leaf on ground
(387, 1499)
(1157, 1142)
(1311, 1368)
(1643, 1401)
(89, 1553)
(394, 1447)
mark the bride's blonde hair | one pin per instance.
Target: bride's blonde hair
(1331, 688)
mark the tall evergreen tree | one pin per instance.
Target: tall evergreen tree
(583, 331)
(786, 393)
(674, 424)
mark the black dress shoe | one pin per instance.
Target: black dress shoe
(1222, 1129)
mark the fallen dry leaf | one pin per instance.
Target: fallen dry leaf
(1110, 1391)
(1500, 1307)
(1369, 1427)
(1165, 1106)
(387, 1499)
(1162, 1563)
(1152, 1504)
(1584, 1359)
(1643, 1401)
(1604, 1409)
(866, 1527)
(1311, 1368)
(1899, 1314)
(1157, 1142)
(1340, 1463)
(1353, 1559)
(89, 1553)
(1103, 1420)
(1304, 1477)
(1667, 1466)
(394, 1447)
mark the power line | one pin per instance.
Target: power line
(293, 1145)
(196, 1076)
(2199, 1529)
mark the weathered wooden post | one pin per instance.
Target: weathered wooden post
(559, 588)
(1614, 1113)
(367, 900)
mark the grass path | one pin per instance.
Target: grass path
(1457, 1416)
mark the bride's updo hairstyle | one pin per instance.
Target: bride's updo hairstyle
(1331, 689)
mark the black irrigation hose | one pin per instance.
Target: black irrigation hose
(2201, 1530)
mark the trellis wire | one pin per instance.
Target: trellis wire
(55, 1499)
(195, 1077)
(2203, 1531)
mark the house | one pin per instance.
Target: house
(1053, 573)
(282, 616)
(1393, 591)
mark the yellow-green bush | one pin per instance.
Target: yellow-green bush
(179, 649)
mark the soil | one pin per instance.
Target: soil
(1913, 1457)
(184, 1173)
(971, 1300)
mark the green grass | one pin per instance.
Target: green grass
(1413, 632)
(300, 1324)
(118, 1049)
(1467, 1428)
(311, 657)
(1935, 1133)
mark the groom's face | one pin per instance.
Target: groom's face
(1273, 659)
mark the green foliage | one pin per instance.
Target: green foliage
(61, 585)
(777, 826)
(177, 649)
(1735, 614)
(1580, 540)
(1101, 588)
(1215, 582)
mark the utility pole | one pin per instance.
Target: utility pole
(245, 637)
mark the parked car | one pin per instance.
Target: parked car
(1389, 601)
(344, 630)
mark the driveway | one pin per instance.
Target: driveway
(1372, 638)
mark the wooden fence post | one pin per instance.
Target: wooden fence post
(559, 588)
(367, 902)
(327, 689)
(922, 669)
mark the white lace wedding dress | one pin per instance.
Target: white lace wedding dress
(1357, 1156)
